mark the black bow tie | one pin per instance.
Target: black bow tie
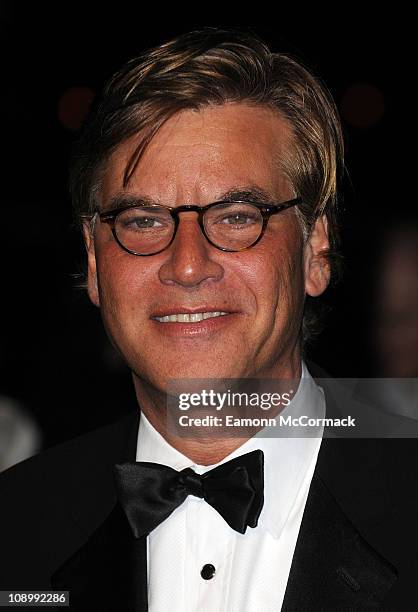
(150, 492)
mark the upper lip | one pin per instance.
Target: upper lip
(172, 310)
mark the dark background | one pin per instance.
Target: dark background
(54, 356)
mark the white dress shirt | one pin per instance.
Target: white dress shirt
(252, 569)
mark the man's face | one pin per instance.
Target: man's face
(196, 158)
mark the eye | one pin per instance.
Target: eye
(238, 219)
(145, 222)
(136, 220)
(233, 216)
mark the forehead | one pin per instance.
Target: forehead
(196, 155)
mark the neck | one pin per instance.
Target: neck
(202, 450)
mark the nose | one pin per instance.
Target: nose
(189, 262)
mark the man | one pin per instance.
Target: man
(206, 182)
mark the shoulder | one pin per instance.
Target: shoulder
(53, 468)
(52, 501)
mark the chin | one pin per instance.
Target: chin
(186, 373)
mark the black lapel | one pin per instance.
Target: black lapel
(336, 564)
(108, 571)
(334, 567)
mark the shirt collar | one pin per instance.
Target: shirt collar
(287, 458)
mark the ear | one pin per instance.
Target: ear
(317, 268)
(92, 288)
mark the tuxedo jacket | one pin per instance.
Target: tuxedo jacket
(62, 528)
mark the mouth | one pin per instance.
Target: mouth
(199, 322)
(190, 317)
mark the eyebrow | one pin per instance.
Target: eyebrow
(249, 193)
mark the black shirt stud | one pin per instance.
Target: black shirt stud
(208, 571)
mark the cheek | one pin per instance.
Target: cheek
(121, 281)
(277, 279)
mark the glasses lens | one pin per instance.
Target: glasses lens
(144, 230)
(233, 225)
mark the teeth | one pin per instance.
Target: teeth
(189, 318)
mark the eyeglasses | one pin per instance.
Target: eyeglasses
(227, 225)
